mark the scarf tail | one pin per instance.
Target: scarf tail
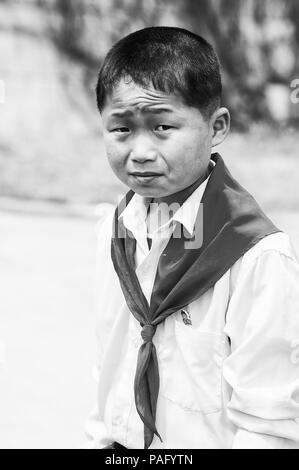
(146, 388)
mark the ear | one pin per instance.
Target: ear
(221, 126)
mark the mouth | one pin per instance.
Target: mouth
(146, 176)
(145, 173)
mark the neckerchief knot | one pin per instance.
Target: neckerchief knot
(148, 332)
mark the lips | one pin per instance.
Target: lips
(145, 177)
(145, 174)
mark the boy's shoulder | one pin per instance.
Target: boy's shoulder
(276, 242)
(268, 247)
(104, 214)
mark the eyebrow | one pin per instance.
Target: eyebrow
(127, 113)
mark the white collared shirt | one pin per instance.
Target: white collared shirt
(229, 365)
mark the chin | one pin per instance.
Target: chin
(148, 192)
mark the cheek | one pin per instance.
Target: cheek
(198, 142)
(189, 153)
(114, 154)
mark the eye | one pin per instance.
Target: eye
(163, 128)
(121, 130)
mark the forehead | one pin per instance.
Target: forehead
(128, 96)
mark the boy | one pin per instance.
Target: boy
(198, 298)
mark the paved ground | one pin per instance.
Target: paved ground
(47, 326)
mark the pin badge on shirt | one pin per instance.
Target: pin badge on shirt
(186, 317)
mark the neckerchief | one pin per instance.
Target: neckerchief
(231, 222)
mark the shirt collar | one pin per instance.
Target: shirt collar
(134, 215)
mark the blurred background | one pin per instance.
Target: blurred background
(54, 177)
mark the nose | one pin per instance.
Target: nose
(143, 149)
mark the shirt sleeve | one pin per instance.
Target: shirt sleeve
(263, 367)
(96, 433)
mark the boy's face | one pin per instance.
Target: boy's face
(155, 143)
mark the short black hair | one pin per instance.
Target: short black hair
(169, 59)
